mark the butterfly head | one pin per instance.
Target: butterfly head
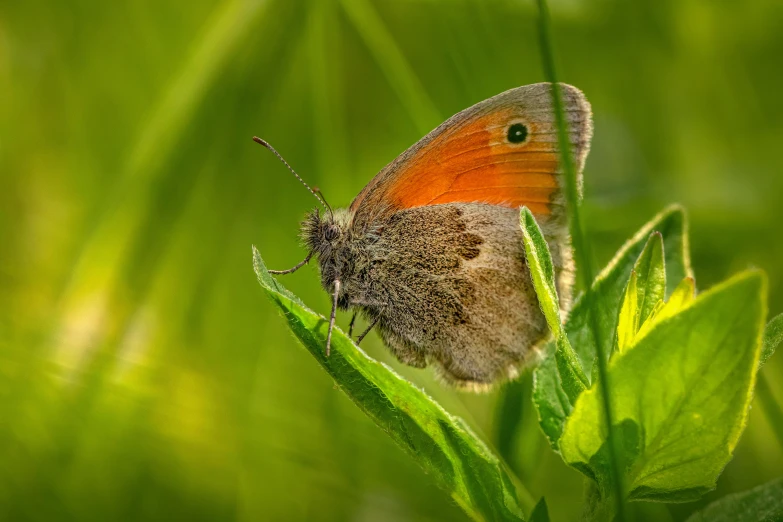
(322, 232)
(327, 235)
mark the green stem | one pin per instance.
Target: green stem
(770, 406)
(581, 248)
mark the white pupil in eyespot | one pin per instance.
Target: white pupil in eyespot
(517, 133)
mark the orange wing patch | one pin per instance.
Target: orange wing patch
(477, 164)
(471, 157)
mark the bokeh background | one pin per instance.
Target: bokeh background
(143, 376)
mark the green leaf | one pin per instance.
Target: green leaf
(628, 323)
(773, 336)
(760, 504)
(540, 513)
(609, 286)
(572, 379)
(542, 271)
(680, 298)
(644, 294)
(680, 397)
(442, 444)
(551, 401)
(651, 277)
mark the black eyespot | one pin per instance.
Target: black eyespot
(331, 233)
(517, 133)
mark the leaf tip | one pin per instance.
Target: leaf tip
(540, 512)
(674, 209)
(258, 263)
(754, 277)
(525, 216)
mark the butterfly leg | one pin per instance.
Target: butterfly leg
(350, 325)
(294, 269)
(366, 331)
(332, 316)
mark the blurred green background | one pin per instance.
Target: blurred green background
(143, 376)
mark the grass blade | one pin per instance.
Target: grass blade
(112, 230)
(581, 252)
(393, 63)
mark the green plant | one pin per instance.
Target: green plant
(644, 389)
(682, 369)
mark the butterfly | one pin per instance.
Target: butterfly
(430, 252)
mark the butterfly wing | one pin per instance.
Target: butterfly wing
(449, 287)
(477, 156)
(445, 275)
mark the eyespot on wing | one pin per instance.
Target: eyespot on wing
(503, 151)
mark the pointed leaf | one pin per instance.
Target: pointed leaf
(680, 298)
(628, 322)
(651, 275)
(540, 513)
(656, 309)
(542, 271)
(442, 444)
(606, 294)
(680, 397)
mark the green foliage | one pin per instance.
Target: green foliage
(628, 323)
(606, 292)
(540, 513)
(641, 301)
(680, 397)
(682, 295)
(142, 376)
(651, 272)
(681, 379)
(773, 336)
(542, 271)
(441, 443)
(605, 297)
(761, 504)
(636, 319)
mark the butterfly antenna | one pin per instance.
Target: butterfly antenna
(323, 199)
(316, 192)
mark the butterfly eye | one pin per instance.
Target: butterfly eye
(331, 233)
(517, 133)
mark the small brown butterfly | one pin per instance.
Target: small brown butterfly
(431, 251)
